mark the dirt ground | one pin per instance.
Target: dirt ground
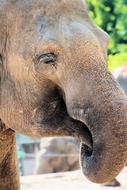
(67, 181)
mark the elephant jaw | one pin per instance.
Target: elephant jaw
(102, 152)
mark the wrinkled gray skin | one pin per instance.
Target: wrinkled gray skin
(121, 75)
(55, 81)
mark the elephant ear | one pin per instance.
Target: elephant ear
(3, 41)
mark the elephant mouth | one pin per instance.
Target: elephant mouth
(96, 134)
(54, 115)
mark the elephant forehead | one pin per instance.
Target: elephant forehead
(47, 6)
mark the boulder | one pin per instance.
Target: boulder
(57, 154)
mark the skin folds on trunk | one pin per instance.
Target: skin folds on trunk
(105, 116)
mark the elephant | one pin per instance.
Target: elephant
(54, 81)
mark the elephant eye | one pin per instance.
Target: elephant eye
(47, 58)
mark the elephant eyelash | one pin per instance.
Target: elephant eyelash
(46, 58)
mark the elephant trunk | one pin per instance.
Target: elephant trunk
(102, 106)
(109, 143)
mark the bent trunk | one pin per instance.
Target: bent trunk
(102, 107)
(109, 135)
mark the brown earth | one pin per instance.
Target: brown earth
(68, 180)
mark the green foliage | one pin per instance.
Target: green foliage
(115, 61)
(112, 17)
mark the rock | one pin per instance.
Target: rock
(57, 154)
(72, 160)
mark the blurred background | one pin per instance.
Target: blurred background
(112, 17)
(47, 155)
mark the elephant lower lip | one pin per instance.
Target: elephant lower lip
(55, 114)
(82, 132)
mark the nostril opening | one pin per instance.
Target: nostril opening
(87, 151)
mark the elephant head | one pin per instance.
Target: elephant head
(55, 81)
